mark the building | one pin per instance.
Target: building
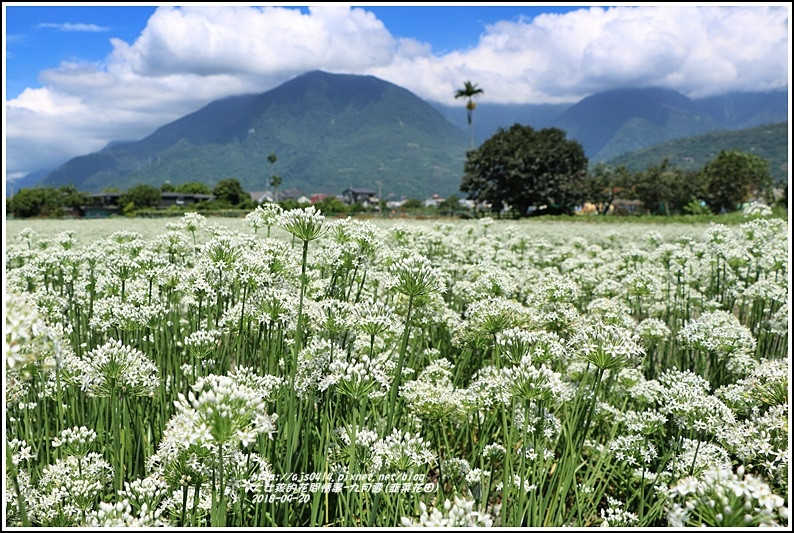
(360, 196)
(105, 204)
(261, 196)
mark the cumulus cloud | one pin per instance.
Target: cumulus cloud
(73, 26)
(189, 56)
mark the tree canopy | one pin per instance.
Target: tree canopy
(527, 169)
(733, 178)
(139, 197)
(230, 191)
(45, 201)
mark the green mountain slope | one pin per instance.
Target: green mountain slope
(328, 131)
(769, 142)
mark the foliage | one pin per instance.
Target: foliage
(193, 187)
(526, 168)
(167, 186)
(664, 190)
(733, 178)
(469, 91)
(412, 203)
(139, 197)
(332, 205)
(230, 191)
(449, 205)
(604, 183)
(45, 201)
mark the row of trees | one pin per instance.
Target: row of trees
(541, 172)
(57, 201)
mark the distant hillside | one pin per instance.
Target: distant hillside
(612, 123)
(488, 118)
(328, 131)
(769, 142)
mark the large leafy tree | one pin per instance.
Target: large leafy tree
(523, 168)
(469, 91)
(230, 191)
(604, 183)
(733, 178)
(139, 197)
(45, 201)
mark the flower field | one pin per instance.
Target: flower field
(292, 370)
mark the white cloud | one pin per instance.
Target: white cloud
(699, 51)
(73, 26)
(187, 57)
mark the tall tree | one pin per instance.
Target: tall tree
(275, 180)
(139, 196)
(469, 91)
(733, 178)
(526, 168)
(230, 191)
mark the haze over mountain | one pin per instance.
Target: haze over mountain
(333, 131)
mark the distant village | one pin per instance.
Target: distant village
(105, 204)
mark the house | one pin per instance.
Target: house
(261, 196)
(359, 196)
(434, 201)
(319, 197)
(167, 199)
(101, 204)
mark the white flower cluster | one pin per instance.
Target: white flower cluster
(114, 368)
(616, 516)
(75, 441)
(432, 395)
(685, 396)
(722, 498)
(227, 410)
(696, 457)
(540, 346)
(357, 376)
(756, 210)
(266, 214)
(540, 384)
(28, 339)
(416, 277)
(121, 514)
(458, 513)
(402, 452)
(720, 333)
(201, 342)
(606, 346)
(305, 224)
(69, 488)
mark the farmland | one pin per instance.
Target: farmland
(288, 369)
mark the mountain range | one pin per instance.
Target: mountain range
(334, 131)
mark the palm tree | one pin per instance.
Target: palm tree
(469, 91)
(275, 181)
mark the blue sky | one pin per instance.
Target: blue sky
(78, 77)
